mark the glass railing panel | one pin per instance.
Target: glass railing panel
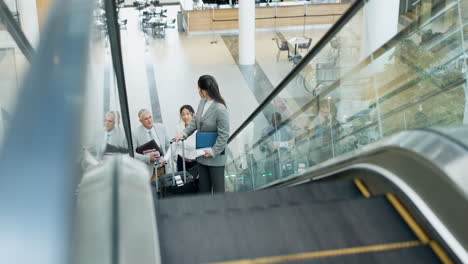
(463, 10)
(13, 65)
(252, 157)
(352, 93)
(102, 129)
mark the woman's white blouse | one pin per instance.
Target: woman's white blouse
(189, 143)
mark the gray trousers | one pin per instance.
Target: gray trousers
(211, 178)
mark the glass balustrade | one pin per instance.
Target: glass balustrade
(362, 86)
(13, 65)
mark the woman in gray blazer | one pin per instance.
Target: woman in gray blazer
(212, 116)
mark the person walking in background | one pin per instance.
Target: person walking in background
(212, 116)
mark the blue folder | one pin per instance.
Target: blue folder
(205, 139)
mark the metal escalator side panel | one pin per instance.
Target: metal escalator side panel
(115, 215)
(444, 162)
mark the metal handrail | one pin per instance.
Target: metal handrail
(383, 162)
(117, 60)
(15, 31)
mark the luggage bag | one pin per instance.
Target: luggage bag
(177, 183)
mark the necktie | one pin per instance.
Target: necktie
(104, 145)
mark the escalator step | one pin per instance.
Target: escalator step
(306, 193)
(250, 230)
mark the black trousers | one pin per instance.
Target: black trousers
(211, 178)
(190, 167)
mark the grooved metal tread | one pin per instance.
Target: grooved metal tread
(274, 222)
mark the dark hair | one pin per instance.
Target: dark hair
(209, 84)
(188, 107)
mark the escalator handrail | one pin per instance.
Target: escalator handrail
(440, 152)
(38, 157)
(335, 29)
(117, 61)
(111, 199)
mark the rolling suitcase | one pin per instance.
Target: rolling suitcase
(177, 183)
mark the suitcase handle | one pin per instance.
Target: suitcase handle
(183, 161)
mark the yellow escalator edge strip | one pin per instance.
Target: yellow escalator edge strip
(362, 188)
(440, 253)
(326, 253)
(438, 250)
(408, 218)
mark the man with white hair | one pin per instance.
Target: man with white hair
(112, 137)
(150, 131)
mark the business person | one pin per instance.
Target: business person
(212, 116)
(112, 135)
(186, 115)
(146, 132)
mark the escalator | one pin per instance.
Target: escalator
(351, 211)
(396, 201)
(312, 223)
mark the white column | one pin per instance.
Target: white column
(380, 24)
(29, 20)
(246, 32)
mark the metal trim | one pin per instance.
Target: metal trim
(440, 152)
(116, 50)
(15, 31)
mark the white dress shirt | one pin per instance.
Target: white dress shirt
(207, 105)
(205, 109)
(189, 144)
(152, 135)
(107, 139)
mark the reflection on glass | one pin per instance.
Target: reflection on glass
(352, 93)
(13, 64)
(102, 129)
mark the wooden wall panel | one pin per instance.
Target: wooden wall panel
(290, 21)
(317, 10)
(199, 20)
(287, 11)
(223, 25)
(320, 20)
(265, 12)
(226, 14)
(265, 23)
(43, 7)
